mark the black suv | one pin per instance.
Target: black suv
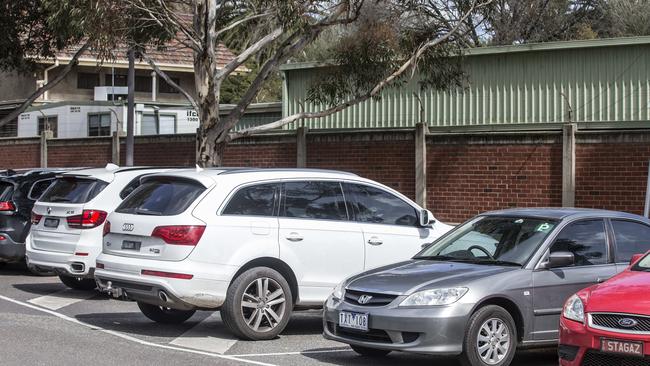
(18, 193)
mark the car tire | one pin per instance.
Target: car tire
(260, 317)
(86, 284)
(498, 341)
(161, 314)
(370, 352)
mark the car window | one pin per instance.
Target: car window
(135, 183)
(314, 200)
(38, 188)
(161, 197)
(257, 200)
(73, 190)
(631, 238)
(6, 191)
(494, 238)
(377, 206)
(586, 240)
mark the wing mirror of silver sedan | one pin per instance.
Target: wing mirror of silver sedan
(559, 259)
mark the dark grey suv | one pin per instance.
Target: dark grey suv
(495, 283)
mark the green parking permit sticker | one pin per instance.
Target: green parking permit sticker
(543, 227)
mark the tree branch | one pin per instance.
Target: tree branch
(169, 81)
(373, 92)
(247, 53)
(51, 84)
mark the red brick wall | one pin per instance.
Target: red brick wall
(612, 175)
(465, 179)
(277, 154)
(79, 152)
(20, 153)
(387, 158)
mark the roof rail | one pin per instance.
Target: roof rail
(305, 170)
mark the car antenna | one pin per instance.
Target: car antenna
(198, 168)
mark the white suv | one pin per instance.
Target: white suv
(67, 220)
(254, 243)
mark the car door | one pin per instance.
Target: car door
(630, 238)
(390, 225)
(317, 238)
(588, 241)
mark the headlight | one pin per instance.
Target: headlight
(443, 296)
(339, 290)
(574, 309)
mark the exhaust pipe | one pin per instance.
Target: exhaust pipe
(163, 296)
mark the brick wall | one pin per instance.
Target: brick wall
(466, 173)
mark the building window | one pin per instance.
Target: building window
(120, 80)
(143, 83)
(99, 124)
(86, 80)
(48, 123)
(164, 87)
(158, 124)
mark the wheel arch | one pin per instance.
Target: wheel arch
(511, 307)
(274, 264)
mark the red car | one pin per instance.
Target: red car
(609, 324)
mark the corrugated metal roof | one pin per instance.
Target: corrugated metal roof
(604, 82)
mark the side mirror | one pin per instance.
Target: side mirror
(559, 259)
(426, 218)
(635, 258)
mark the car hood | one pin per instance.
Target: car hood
(406, 277)
(625, 293)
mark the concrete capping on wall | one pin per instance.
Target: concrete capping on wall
(612, 137)
(20, 140)
(361, 135)
(104, 140)
(502, 138)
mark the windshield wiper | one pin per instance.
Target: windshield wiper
(142, 211)
(496, 262)
(436, 257)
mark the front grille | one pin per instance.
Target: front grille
(372, 335)
(352, 297)
(611, 321)
(595, 358)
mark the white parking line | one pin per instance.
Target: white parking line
(129, 338)
(347, 349)
(62, 298)
(208, 335)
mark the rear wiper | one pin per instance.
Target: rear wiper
(59, 199)
(142, 211)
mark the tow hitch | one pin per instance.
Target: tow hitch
(114, 292)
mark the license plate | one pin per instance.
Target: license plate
(53, 223)
(131, 245)
(622, 347)
(356, 321)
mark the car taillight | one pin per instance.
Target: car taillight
(87, 220)
(7, 206)
(107, 228)
(181, 276)
(179, 234)
(36, 218)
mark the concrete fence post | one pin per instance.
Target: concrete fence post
(421, 131)
(301, 147)
(115, 143)
(569, 165)
(45, 135)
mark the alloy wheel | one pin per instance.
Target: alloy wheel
(493, 341)
(263, 304)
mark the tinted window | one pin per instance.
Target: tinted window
(380, 207)
(314, 200)
(161, 198)
(586, 240)
(135, 183)
(631, 238)
(6, 191)
(38, 188)
(256, 200)
(73, 190)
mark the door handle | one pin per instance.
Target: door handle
(375, 241)
(602, 279)
(294, 237)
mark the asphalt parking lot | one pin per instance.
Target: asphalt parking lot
(44, 323)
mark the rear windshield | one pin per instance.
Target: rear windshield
(6, 191)
(73, 190)
(161, 198)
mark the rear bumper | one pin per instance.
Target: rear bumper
(69, 264)
(121, 276)
(10, 251)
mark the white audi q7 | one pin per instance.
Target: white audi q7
(68, 219)
(253, 243)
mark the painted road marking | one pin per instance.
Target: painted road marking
(62, 299)
(130, 338)
(209, 335)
